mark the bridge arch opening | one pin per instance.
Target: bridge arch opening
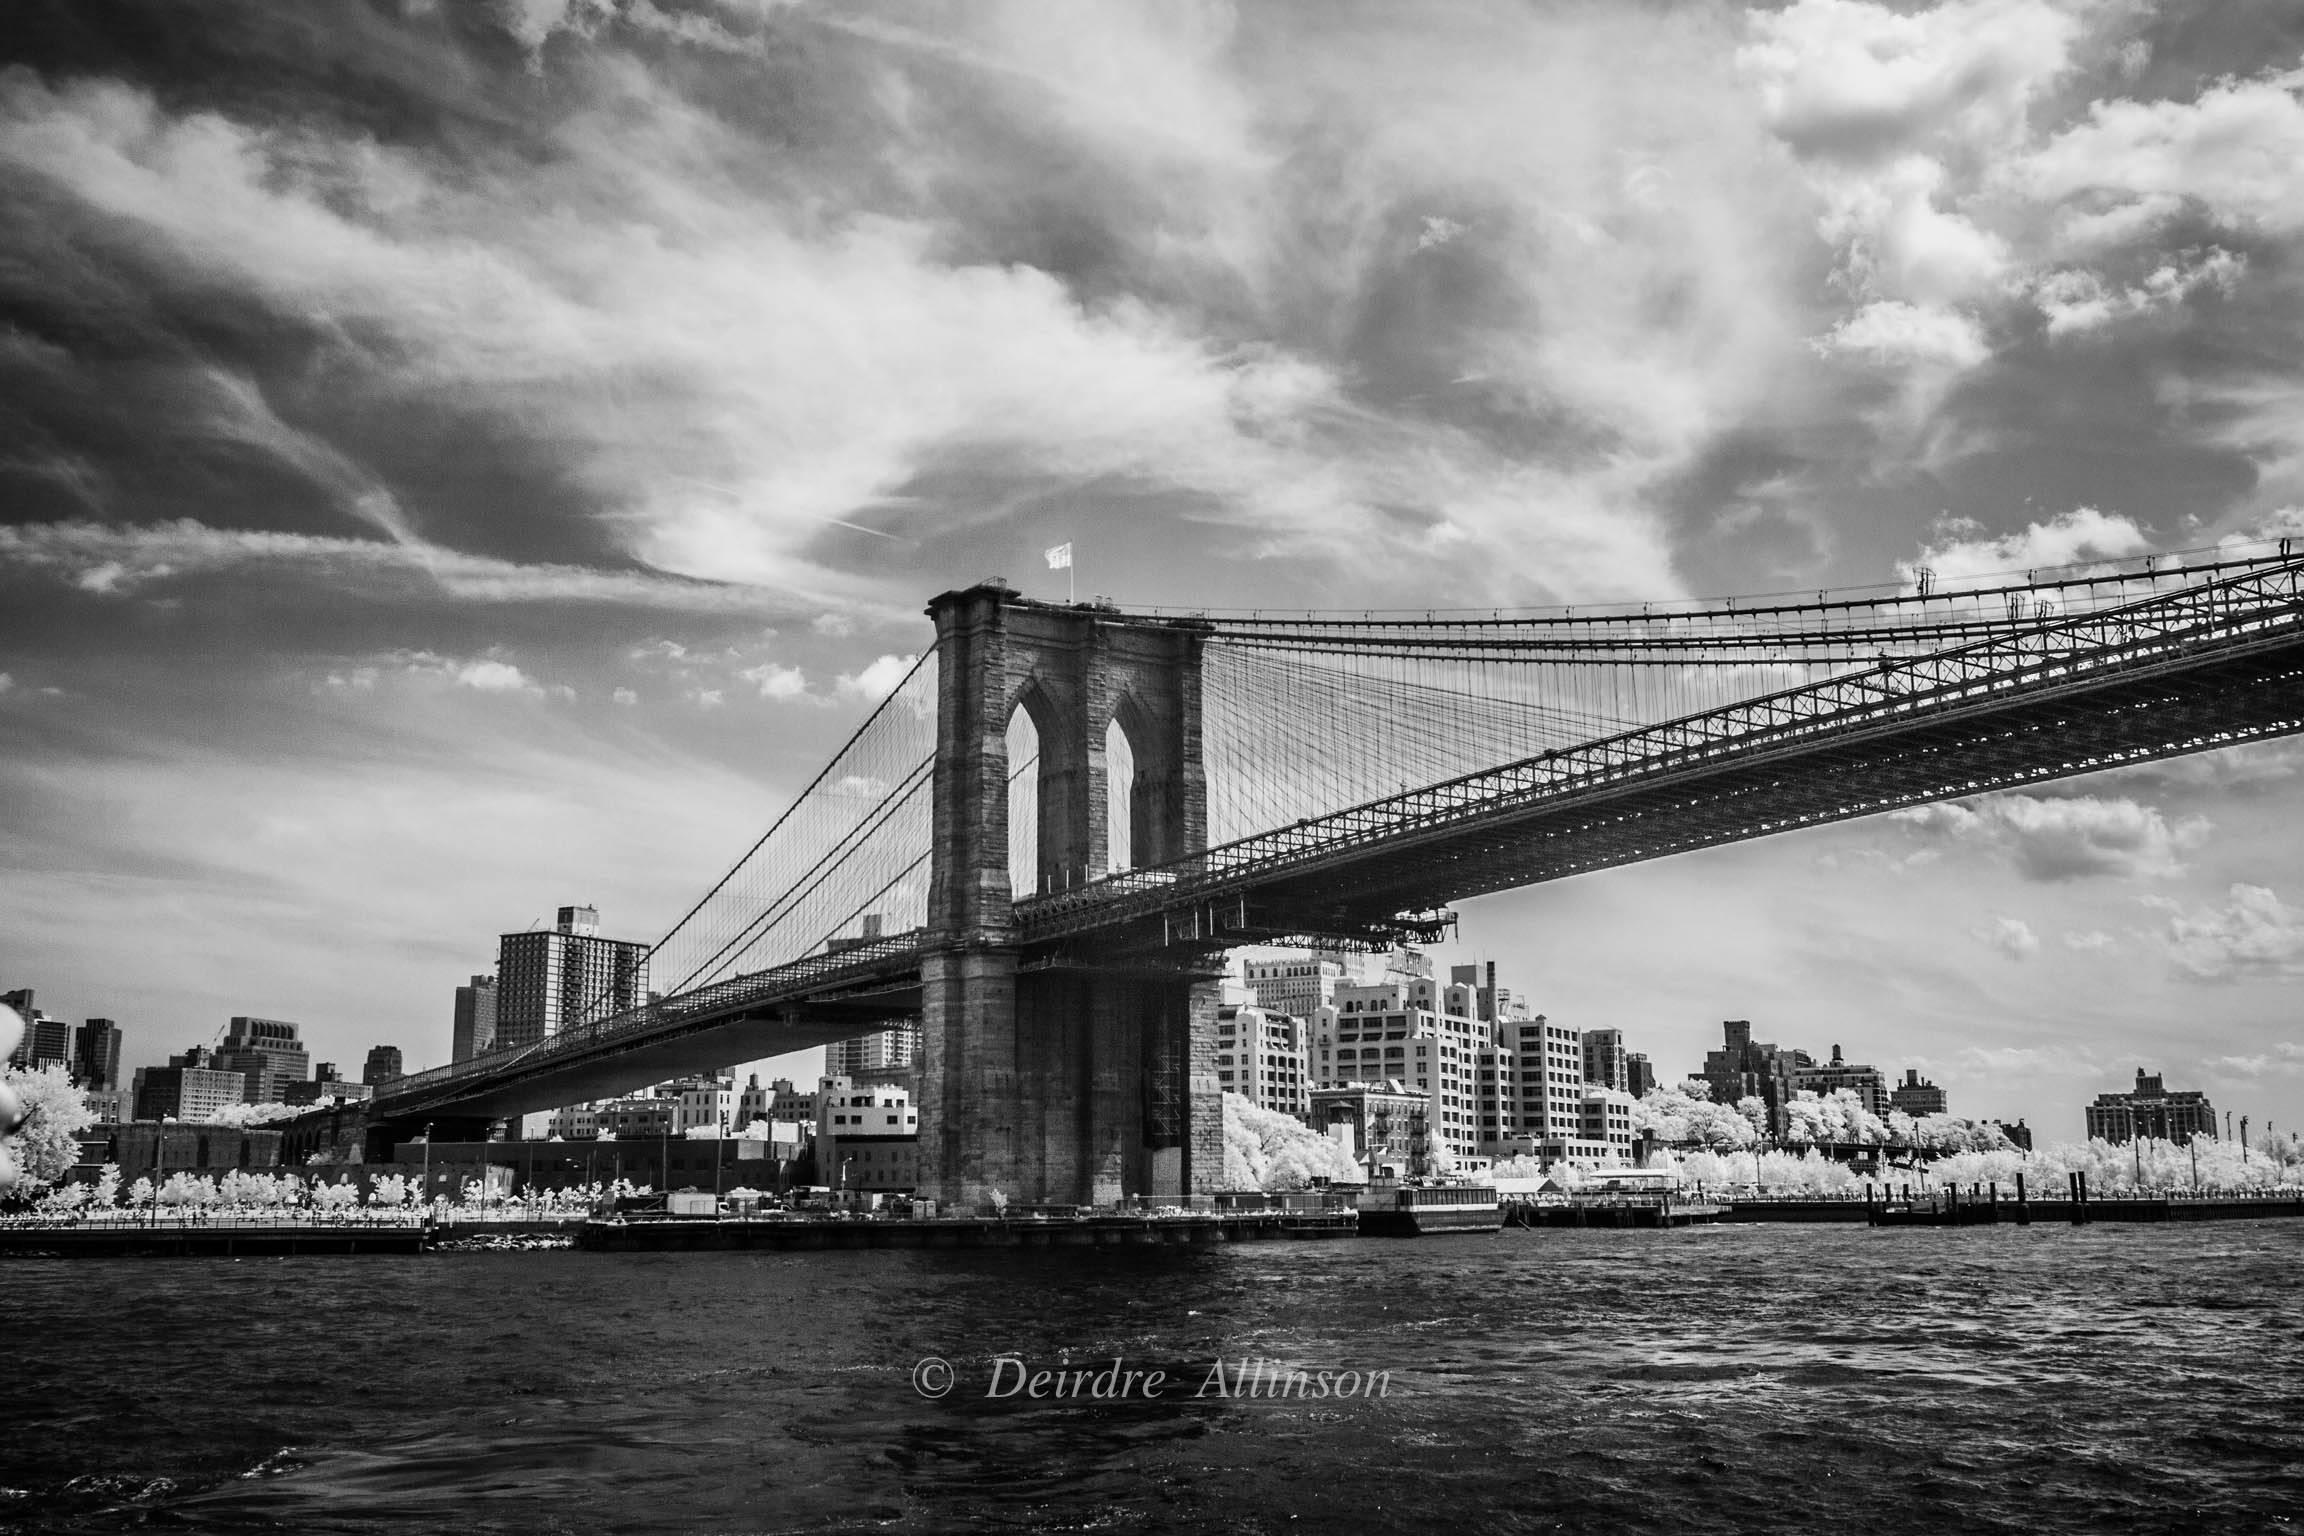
(1024, 800)
(1122, 791)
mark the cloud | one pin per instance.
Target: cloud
(624, 696)
(2237, 150)
(493, 677)
(2012, 936)
(2078, 301)
(878, 680)
(2253, 934)
(1964, 552)
(1998, 1063)
(777, 682)
(481, 674)
(2090, 941)
(1895, 333)
(2284, 1059)
(2064, 838)
(1852, 82)
(122, 561)
(1889, 114)
(6, 682)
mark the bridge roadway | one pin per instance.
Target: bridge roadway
(2212, 665)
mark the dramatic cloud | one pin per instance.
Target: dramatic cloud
(396, 395)
(2253, 934)
(2061, 839)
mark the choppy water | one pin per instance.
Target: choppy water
(1733, 1379)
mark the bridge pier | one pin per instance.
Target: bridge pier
(1074, 1087)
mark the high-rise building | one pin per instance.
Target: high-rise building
(96, 1054)
(1491, 1003)
(47, 1042)
(2151, 1111)
(1866, 1083)
(1639, 1074)
(1402, 1030)
(1747, 1069)
(885, 1056)
(1552, 1119)
(1917, 1096)
(270, 1052)
(565, 976)
(1299, 985)
(1606, 1062)
(20, 1002)
(383, 1066)
(190, 1088)
(475, 1028)
(1260, 1056)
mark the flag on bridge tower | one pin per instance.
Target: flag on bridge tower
(1060, 558)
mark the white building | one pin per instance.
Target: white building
(1403, 1029)
(1260, 1056)
(1298, 985)
(867, 1135)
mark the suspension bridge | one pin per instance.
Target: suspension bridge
(1043, 840)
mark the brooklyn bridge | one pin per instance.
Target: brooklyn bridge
(1044, 840)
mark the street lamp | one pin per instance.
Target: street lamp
(842, 1191)
(2243, 1141)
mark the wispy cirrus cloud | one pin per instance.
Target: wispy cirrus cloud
(118, 561)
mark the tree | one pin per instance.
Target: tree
(1266, 1150)
(1683, 1115)
(107, 1190)
(46, 1142)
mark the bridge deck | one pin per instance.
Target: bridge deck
(2214, 663)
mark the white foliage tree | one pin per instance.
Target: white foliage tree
(46, 1141)
(1265, 1150)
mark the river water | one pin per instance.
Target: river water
(2104, 1379)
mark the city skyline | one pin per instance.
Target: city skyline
(403, 544)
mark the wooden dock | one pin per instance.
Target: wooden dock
(222, 1239)
(693, 1234)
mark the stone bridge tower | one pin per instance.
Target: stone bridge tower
(1061, 1077)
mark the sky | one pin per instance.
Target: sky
(461, 459)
